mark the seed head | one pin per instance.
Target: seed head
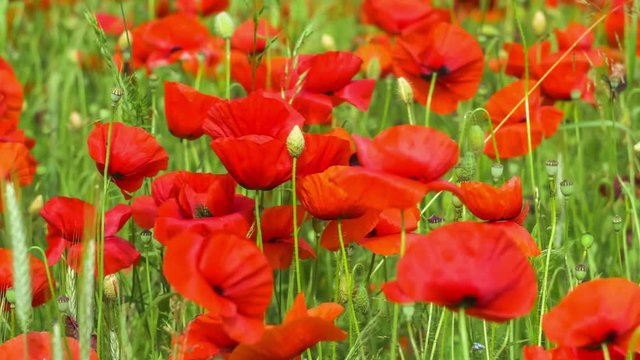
(552, 168)
(616, 220)
(497, 170)
(566, 187)
(581, 272)
(116, 94)
(586, 240)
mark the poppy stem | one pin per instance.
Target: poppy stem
(227, 78)
(543, 295)
(294, 206)
(387, 103)
(396, 307)
(347, 275)
(464, 337)
(427, 109)
(258, 225)
(605, 351)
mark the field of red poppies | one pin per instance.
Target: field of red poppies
(319, 179)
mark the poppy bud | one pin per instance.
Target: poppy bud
(373, 68)
(10, 296)
(552, 168)
(116, 95)
(476, 139)
(456, 202)
(435, 221)
(539, 23)
(295, 142)
(111, 287)
(581, 272)
(36, 205)
(343, 288)
(63, 304)
(497, 170)
(566, 187)
(328, 42)
(586, 240)
(75, 121)
(466, 169)
(124, 40)
(224, 25)
(405, 90)
(361, 301)
(617, 223)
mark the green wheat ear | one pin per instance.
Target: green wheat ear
(20, 256)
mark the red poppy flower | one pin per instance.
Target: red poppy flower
(278, 243)
(41, 293)
(377, 48)
(300, 330)
(569, 79)
(249, 136)
(445, 51)
(470, 265)
(163, 41)
(186, 109)
(343, 192)
(243, 37)
(519, 235)
(70, 220)
(590, 315)
(204, 338)
(267, 75)
(515, 57)
(135, 154)
(205, 201)
(11, 96)
(493, 204)
(400, 150)
(110, 24)
(511, 137)
(10, 134)
(227, 275)
(202, 7)
(567, 353)
(395, 16)
(385, 239)
(353, 230)
(16, 163)
(39, 347)
(209, 57)
(614, 26)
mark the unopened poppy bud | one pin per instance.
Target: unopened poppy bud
(10, 295)
(552, 168)
(456, 202)
(539, 23)
(586, 240)
(566, 187)
(343, 289)
(224, 25)
(116, 95)
(75, 121)
(476, 139)
(111, 287)
(497, 170)
(328, 42)
(465, 171)
(295, 142)
(36, 205)
(581, 272)
(617, 223)
(361, 301)
(435, 221)
(124, 40)
(373, 68)
(405, 90)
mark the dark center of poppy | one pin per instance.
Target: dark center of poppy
(218, 290)
(202, 212)
(609, 337)
(175, 49)
(467, 302)
(353, 160)
(440, 72)
(117, 176)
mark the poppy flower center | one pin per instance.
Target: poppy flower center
(428, 73)
(609, 337)
(202, 212)
(117, 176)
(174, 49)
(218, 290)
(467, 302)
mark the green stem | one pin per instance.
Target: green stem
(347, 274)
(487, 349)
(432, 87)
(258, 225)
(227, 53)
(294, 204)
(605, 351)
(543, 296)
(463, 334)
(387, 103)
(396, 307)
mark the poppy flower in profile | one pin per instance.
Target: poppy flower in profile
(70, 221)
(595, 313)
(227, 275)
(186, 110)
(244, 35)
(268, 75)
(379, 49)
(301, 329)
(569, 80)
(490, 203)
(204, 201)
(277, 238)
(445, 53)
(16, 163)
(164, 41)
(511, 137)
(249, 136)
(202, 7)
(39, 346)
(204, 338)
(206, 60)
(41, 293)
(384, 239)
(574, 31)
(135, 155)
(11, 96)
(10, 134)
(516, 56)
(467, 265)
(395, 16)
(110, 24)
(345, 192)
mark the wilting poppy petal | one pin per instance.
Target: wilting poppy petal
(186, 109)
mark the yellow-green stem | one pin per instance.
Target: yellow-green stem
(294, 205)
(427, 109)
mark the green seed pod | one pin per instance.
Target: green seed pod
(343, 289)
(476, 139)
(408, 311)
(466, 169)
(318, 225)
(116, 95)
(497, 170)
(552, 168)
(63, 304)
(456, 202)
(617, 223)
(10, 296)
(435, 221)
(566, 187)
(586, 240)
(224, 25)
(581, 272)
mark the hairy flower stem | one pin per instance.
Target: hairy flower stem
(396, 307)
(347, 274)
(464, 337)
(427, 109)
(294, 205)
(545, 280)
